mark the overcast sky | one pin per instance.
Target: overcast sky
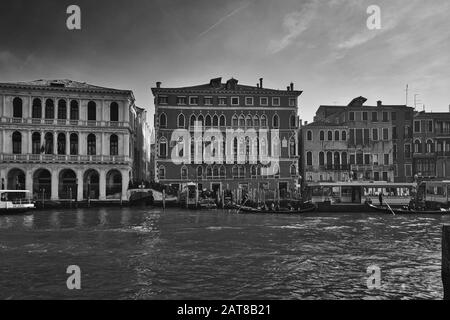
(324, 47)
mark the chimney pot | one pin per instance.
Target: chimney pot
(261, 82)
(158, 84)
(379, 103)
(292, 86)
(288, 88)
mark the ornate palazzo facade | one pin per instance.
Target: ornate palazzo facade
(63, 139)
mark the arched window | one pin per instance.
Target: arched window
(336, 135)
(248, 121)
(36, 143)
(61, 143)
(337, 159)
(215, 120)
(223, 121)
(223, 172)
(241, 171)
(292, 148)
(322, 135)
(275, 121)
(161, 172)
(309, 135)
(329, 158)
(254, 171)
(293, 121)
(49, 109)
(235, 120)
(430, 146)
(215, 172)
(321, 159)
(74, 144)
(74, 110)
(114, 145)
(256, 121)
(181, 120)
(344, 136)
(192, 120)
(48, 143)
(263, 121)
(91, 145)
(208, 121)
(241, 121)
(201, 119)
(293, 170)
(417, 146)
(62, 109)
(209, 172)
(235, 172)
(162, 120)
(17, 108)
(36, 113)
(344, 158)
(163, 147)
(92, 111)
(184, 173)
(309, 161)
(114, 112)
(17, 142)
(330, 135)
(200, 172)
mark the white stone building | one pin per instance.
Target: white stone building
(63, 139)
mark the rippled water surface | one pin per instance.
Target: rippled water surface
(142, 253)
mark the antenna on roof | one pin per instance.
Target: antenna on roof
(407, 87)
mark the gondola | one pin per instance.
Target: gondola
(388, 210)
(245, 209)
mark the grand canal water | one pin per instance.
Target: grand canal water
(142, 253)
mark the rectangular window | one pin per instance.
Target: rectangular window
(375, 116)
(394, 132)
(430, 125)
(351, 116)
(222, 101)
(376, 176)
(163, 100)
(249, 101)
(408, 170)
(292, 102)
(417, 126)
(193, 100)
(385, 176)
(208, 101)
(386, 159)
(234, 101)
(366, 136)
(385, 134)
(385, 116)
(181, 100)
(359, 136)
(394, 152)
(375, 159)
(395, 171)
(375, 134)
(352, 136)
(393, 115)
(276, 101)
(360, 158)
(407, 151)
(367, 159)
(264, 101)
(365, 116)
(352, 159)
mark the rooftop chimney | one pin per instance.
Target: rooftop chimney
(292, 86)
(288, 88)
(261, 82)
(379, 103)
(158, 84)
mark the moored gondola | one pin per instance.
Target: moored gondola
(246, 209)
(406, 210)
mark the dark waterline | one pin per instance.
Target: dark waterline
(142, 253)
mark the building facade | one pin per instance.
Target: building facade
(358, 142)
(431, 145)
(63, 139)
(250, 121)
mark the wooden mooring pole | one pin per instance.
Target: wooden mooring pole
(446, 260)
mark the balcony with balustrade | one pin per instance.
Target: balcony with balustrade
(64, 159)
(65, 122)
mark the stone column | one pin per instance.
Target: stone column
(55, 142)
(55, 183)
(29, 180)
(68, 143)
(80, 185)
(30, 143)
(125, 182)
(4, 141)
(126, 145)
(102, 186)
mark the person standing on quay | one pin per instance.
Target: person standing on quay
(380, 197)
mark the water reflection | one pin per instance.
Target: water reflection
(146, 253)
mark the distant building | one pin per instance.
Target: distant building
(142, 148)
(358, 142)
(431, 145)
(63, 139)
(229, 106)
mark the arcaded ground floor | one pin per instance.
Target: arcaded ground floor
(65, 182)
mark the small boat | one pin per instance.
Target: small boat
(247, 209)
(406, 210)
(15, 202)
(207, 203)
